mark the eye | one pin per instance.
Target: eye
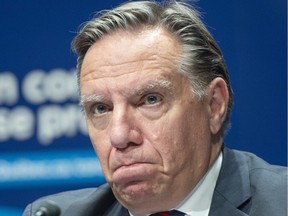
(100, 109)
(152, 99)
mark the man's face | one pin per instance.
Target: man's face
(151, 134)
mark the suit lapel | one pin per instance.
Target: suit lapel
(223, 207)
(232, 193)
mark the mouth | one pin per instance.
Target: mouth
(128, 166)
(133, 172)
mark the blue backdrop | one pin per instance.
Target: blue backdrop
(44, 147)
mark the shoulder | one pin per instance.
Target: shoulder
(266, 179)
(259, 167)
(73, 194)
(266, 183)
(76, 202)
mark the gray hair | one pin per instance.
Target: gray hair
(201, 59)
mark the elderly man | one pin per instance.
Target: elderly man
(157, 100)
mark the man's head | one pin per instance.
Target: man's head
(155, 92)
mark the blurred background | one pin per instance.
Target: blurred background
(44, 147)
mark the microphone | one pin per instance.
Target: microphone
(48, 208)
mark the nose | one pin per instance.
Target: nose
(123, 129)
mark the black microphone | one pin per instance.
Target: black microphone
(48, 208)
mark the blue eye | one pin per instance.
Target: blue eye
(152, 99)
(100, 109)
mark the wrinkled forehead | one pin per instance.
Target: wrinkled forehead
(127, 49)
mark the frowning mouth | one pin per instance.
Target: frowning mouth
(133, 172)
(130, 165)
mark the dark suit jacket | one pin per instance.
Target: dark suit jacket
(247, 185)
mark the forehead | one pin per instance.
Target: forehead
(123, 52)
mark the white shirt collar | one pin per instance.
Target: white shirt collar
(198, 201)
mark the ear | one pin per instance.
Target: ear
(217, 94)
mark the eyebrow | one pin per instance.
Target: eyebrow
(84, 99)
(157, 84)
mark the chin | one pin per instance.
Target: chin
(136, 195)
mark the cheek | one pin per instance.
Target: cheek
(179, 138)
(168, 137)
(97, 138)
(102, 149)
